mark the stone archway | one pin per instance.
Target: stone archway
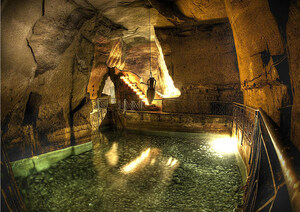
(109, 89)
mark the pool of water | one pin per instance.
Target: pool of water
(134, 171)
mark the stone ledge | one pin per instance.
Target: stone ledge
(136, 120)
(24, 167)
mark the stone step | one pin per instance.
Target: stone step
(136, 90)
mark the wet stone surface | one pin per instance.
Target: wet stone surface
(130, 171)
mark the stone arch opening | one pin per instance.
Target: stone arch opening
(109, 90)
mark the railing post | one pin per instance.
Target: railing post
(124, 106)
(98, 104)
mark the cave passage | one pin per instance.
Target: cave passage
(134, 171)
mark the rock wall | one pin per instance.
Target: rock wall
(202, 61)
(46, 65)
(51, 49)
(260, 51)
(178, 122)
(202, 10)
(293, 43)
(50, 52)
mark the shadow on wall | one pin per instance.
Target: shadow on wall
(32, 109)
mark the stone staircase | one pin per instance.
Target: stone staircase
(136, 90)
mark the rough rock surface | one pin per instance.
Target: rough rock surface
(61, 46)
(293, 41)
(202, 9)
(258, 42)
(51, 49)
(206, 55)
(180, 172)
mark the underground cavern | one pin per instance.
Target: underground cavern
(148, 105)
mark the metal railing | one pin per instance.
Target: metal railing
(272, 163)
(132, 105)
(274, 166)
(99, 112)
(100, 103)
(204, 107)
(245, 119)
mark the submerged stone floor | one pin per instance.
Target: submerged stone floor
(130, 171)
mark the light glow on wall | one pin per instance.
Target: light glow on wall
(169, 89)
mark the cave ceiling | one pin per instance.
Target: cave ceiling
(133, 15)
(50, 48)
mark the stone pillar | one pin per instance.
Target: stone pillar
(99, 69)
(257, 39)
(293, 44)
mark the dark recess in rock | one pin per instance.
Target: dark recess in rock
(280, 10)
(81, 104)
(78, 17)
(43, 8)
(265, 57)
(4, 124)
(32, 109)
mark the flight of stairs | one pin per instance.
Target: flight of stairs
(136, 90)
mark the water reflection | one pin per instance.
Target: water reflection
(138, 172)
(112, 156)
(138, 163)
(131, 176)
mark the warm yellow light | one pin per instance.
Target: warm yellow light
(152, 161)
(137, 91)
(169, 90)
(224, 145)
(136, 163)
(112, 156)
(172, 162)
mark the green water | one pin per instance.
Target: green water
(130, 171)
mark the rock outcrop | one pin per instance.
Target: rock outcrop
(202, 61)
(60, 48)
(293, 44)
(56, 56)
(51, 107)
(260, 48)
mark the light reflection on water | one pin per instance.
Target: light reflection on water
(141, 172)
(133, 171)
(112, 156)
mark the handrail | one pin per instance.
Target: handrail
(248, 107)
(261, 134)
(279, 159)
(287, 159)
